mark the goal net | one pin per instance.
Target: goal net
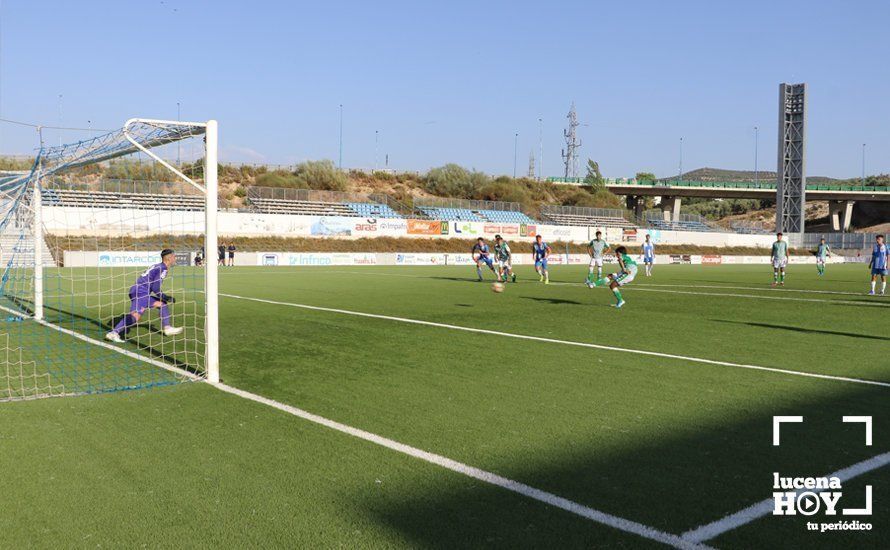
(88, 304)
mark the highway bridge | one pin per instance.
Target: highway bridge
(840, 197)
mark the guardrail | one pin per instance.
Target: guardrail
(466, 204)
(771, 186)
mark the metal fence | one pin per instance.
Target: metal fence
(852, 241)
(586, 211)
(312, 195)
(466, 204)
(142, 187)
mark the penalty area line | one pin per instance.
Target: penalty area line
(563, 342)
(597, 516)
(765, 507)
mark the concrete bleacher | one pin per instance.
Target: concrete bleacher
(323, 208)
(589, 221)
(681, 226)
(468, 215)
(110, 199)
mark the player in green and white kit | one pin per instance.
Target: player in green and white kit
(779, 258)
(822, 254)
(504, 257)
(597, 249)
(625, 276)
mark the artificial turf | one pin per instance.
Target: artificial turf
(668, 442)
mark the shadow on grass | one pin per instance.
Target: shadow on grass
(691, 474)
(555, 301)
(803, 330)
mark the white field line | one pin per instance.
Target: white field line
(640, 286)
(563, 342)
(765, 507)
(551, 499)
(106, 345)
(761, 289)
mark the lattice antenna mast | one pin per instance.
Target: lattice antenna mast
(570, 153)
(531, 165)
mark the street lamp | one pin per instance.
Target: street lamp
(178, 146)
(515, 143)
(541, 146)
(60, 120)
(680, 175)
(862, 182)
(756, 173)
(340, 161)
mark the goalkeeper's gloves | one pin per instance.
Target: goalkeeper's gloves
(166, 298)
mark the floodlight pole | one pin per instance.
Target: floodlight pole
(211, 281)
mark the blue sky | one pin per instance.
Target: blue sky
(453, 81)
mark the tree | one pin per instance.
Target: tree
(593, 178)
(645, 176)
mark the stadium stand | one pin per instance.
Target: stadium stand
(467, 215)
(110, 199)
(681, 226)
(321, 208)
(582, 216)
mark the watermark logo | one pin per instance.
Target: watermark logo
(808, 496)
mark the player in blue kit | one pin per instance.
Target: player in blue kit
(879, 264)
(648, 255)
(540, 252)
(482, 256)
(146, 294)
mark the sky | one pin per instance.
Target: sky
(456, 81)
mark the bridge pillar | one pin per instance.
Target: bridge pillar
(637, 204)
(670, 209)
(841, 213)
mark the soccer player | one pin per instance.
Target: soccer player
(596, 248)
(540, 252)
(623, 277)
(482, 255)
(879, 264)
(504, 257)
(221, 255)
(231, 249)
(822, 254)
(648, 255)
(145, 294)
(779, 258)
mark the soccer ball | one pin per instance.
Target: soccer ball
(497, 287)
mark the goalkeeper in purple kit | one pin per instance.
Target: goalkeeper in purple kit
(146, 294)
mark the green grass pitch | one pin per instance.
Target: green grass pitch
(671, 443)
